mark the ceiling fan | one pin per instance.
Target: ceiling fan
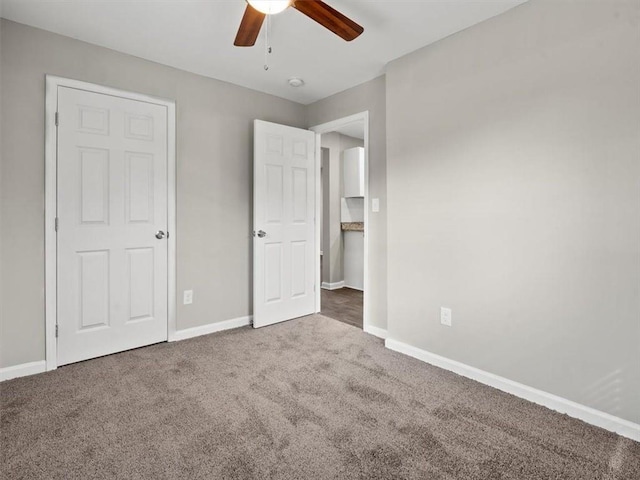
(317, 10)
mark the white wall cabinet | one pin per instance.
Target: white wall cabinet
(353, 172)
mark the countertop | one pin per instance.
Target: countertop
(352, 226)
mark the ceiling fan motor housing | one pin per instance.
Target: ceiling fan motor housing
(316, 10)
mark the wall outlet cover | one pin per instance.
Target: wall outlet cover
(375, 204)
(187, 297)
(445, 316)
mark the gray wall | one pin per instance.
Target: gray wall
(368, 96)
(1, 200)
(514, 199)
(332, 261)
(214, 178)
(325, 240)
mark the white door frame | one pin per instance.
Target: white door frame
(51, 208)
(327, 128)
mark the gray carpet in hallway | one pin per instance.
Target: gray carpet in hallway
(308, 399)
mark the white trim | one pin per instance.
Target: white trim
(22, 370)
(318, 219)
(354, 288)
(376, 331)
(50, 209)
(330, 127)
(51, 106)
(586, 414)
(212, 328)
(172, 321)
(55, 82)
(332, 286)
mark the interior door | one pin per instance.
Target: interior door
(112, 224)
(284, 223)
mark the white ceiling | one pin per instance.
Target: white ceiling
(197, 36)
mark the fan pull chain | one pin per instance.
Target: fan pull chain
(267, 46)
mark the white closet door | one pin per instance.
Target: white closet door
(112, 210)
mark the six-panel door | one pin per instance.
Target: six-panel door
(284, 209)
(112, 200)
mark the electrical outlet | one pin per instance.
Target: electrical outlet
(187, 297)
(375, 204)
(445, 316)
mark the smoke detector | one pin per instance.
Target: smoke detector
(296, 82)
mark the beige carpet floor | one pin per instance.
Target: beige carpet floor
(308, 399)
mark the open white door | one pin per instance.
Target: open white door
(284, 223)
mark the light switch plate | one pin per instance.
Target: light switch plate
(375, 204)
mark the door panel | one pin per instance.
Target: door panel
(140, 286)
(139, 173)
(284, 208)
(94, 289)
(112, 199)
(94, 185)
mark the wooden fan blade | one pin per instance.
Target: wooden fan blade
(249, 27)
(329, 18)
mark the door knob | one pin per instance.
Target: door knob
(262, 233)
(160, 235)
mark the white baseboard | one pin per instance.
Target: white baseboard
(354, 288)
(22, 370)
(376, 331)
(332, 286)
(586, 414)
(211, 328)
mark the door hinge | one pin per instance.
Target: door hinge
(56, 224)
(57, 120)
(56, 330)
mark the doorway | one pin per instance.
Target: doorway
(110, 221)
(343, 201)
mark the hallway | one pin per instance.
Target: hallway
(343, 304)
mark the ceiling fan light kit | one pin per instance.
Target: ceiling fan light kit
(269, 7)
(316, 10)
